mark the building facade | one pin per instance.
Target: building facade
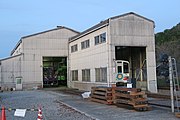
(34, 59)
(92, 54)
(84, 59)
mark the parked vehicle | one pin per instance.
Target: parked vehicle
(122, 72)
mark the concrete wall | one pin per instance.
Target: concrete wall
(128, 30)
(10, 69)
(49, 44)
(52, 43)
(132, 30)
(95, 56)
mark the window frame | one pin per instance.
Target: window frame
(85, 44)
(96, 40)
(99, 39)
(103, 37)
(74, 48)
(101, 74)
(86, 75)
(74, 75)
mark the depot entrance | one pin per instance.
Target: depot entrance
(136, 56)
(54, 71)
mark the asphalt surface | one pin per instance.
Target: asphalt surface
(59, 106)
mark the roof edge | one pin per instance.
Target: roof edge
(102, 23)
(133, 14)
(10, 57)
(57, 28)
(88, 31)
(17, 45)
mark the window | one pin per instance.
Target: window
(86, 75)
(85, 44)
(97, 71)
(74, 48)
(74, 75)
(100, 38)
(101, 74)
(103, 37)
(119, 69)
(126, 67)
(96, 38)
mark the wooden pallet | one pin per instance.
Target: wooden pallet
(102, 95)
(102, 89)
(129, 97)
(107, 102)
(133, 97)
(144, 107)
(127, 89)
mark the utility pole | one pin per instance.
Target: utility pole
(171, 84)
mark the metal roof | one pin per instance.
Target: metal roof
(95, 27)
(103, 24)
(57, 28)
(10, 57)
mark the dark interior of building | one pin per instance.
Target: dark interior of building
(137, 59)
(54, 71)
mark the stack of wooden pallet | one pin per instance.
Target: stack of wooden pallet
(102, 95)
(122, 97)
(132, 97)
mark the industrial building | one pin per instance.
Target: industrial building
(37, 60)
(93, 53)
(84, 59)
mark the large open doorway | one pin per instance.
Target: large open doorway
(54, 71)
(136, 56)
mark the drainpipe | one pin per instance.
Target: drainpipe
(109, 52)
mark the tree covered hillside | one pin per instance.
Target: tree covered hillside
(168, 42)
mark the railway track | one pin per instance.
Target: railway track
(160, 105)
(149, 95)
(159, 99)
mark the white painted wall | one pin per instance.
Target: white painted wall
(95, 56)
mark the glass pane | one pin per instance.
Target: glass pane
(18, 80)
(126, 67)
(75, 47)
(83, 75)
(87, 43)
(76, 75)
(103, 37)
(96, 40)
(82, 45)
(88, 75)
(119, 69)
(104, 74)
(97, 74)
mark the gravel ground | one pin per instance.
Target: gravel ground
(59, 106)
(52, 107)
